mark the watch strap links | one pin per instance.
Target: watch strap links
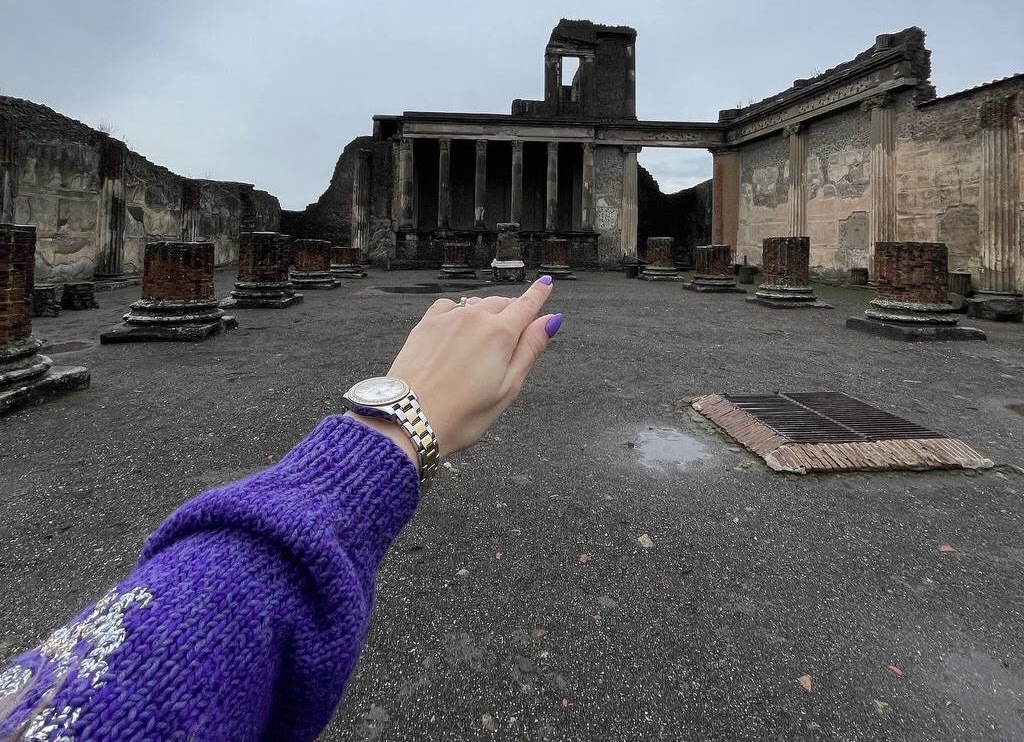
(410, 416)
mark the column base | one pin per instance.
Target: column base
(787, 297)
(56, 381)
(348, 271)
(242, 300)
(997, 306)
(184, 332)
(913, 332)
(508, 271)
(657, 273)
(452, 272)
(559, 272)
(714, 285)
(314, 280)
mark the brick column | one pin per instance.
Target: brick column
(191, 205)
(516, 205)
(405, 184)
(882, 219)
(660, 266)
(797, 136)
(555, 259)
(725, 196)
(551, 189)
(263, 260)
(714, 270)
(311, 265)
(457, 257)
(911, 295)
(587, 207)
(112, 209)
(248, 220)
(480, 186)
(786, 264)
(178, 300)
(444, 183)
(345, 262)
(26, 377)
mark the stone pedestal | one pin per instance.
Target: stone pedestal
(311, 265)
(78, 296)
(263, 260)
(508, 265)
(746, 274)
(26, 377)
(345, 262)
(713, 270)
(911, 301)
(786, 262)
(178, 301)
(45, 300)
(859, 276)
(1000, 306)
(555, 261)
(458, 257)
(659, 260)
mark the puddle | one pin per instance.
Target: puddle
(68, 347)
(431, 288)
(663, 448)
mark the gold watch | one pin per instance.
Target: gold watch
(388, 398)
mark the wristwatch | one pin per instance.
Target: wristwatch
(388, 398)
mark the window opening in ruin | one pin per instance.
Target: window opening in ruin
(570, 71)
(674, 199)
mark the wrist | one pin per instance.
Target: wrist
(390, 430)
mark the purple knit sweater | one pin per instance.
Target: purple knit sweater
(246, 614)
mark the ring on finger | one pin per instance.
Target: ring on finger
(463, 301)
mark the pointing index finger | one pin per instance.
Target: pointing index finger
(525, 308)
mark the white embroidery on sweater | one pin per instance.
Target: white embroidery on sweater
(98, 635)
(13, 679)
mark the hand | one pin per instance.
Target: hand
(467, 364)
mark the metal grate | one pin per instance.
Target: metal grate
(827, 417)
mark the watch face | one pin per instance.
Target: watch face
(379, 391)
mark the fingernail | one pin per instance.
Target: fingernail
(553, 325)
(546, 280)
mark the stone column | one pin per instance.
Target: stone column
(458, 259)
(725, 196)
(628, 224)
(26, 376)
(311, 264)
(263, 259)
(587, 207)
(912, 297)
(360, 229)
(112, 209)
(405, 184)
(8, 170)
(714, 270)
(555, 259)
(178, 300)
(551, 190)
(516, 206)
(480, 186)
(797, 189)
(444, 183)
(999, 297)
(345, 262)
(786, 262)
(660, 265)
(191, 205)
(882, 219)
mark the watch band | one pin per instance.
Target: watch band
(410, 416)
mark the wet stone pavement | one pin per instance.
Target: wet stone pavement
(604, 565)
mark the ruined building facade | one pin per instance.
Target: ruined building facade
(95, 203)
(864, 152)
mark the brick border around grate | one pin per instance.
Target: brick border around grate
(781, 454)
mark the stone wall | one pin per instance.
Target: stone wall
(55, 184)
(685, 216)
(608, 166)
(764, 186)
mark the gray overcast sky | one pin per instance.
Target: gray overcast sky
(269, 92)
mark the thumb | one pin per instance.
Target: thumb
(530, 347)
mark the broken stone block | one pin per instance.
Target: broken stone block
(508, 265)
(263, 283)
(996, 306)
(77, 296)
(45, 300)
(713, 270)
(345, 263)
(311, 265)
(660, 266)
(786, 264)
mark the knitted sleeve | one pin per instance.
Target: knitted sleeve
(246, 613)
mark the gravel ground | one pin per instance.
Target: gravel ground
(563, 626)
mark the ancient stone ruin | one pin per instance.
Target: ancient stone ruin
(263, 282)
(178, 300)
(660, 262)
(458, 259)
(345, 263)
(787, 283)
(912, 296)
(26, 376)
(311, 264)
(508, 265)
(555, 262)
(713, 271)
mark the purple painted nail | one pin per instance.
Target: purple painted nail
(553, 325)
(546, 280)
